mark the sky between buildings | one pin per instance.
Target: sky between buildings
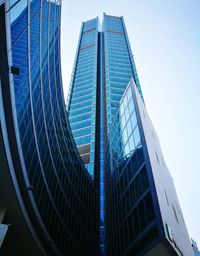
(165, 41)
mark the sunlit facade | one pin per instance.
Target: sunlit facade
(119, 63)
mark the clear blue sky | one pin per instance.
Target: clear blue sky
(165, 40)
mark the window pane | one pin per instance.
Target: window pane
(133, 120)
(131, 106)
(129, 128)
(136, 135)
(131, 143)
(129, 93)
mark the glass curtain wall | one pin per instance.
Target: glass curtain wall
(83, 93)
(62, 193)
(129, 200)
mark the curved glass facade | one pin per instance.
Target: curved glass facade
(60, 193)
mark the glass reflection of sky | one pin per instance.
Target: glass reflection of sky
(17, 9)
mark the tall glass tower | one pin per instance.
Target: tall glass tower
(119, 63)
(138, 209)
(102, 189)
(83, 93)
(118, 67)
(103, 67)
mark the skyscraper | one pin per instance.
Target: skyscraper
(103, 67)
(47, 198)
(83, 97)
(110, 195)
(139, 213)
(83, 93)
